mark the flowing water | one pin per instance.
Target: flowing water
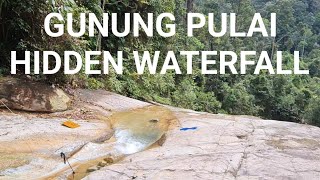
(134, 131)
(137, 130)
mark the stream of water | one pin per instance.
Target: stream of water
(134, 131)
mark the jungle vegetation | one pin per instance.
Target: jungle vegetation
(294, 98)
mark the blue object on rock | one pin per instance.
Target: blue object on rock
(188, 129)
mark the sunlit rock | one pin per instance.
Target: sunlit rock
(32, 96)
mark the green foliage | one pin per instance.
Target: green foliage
(93, 83)
(288, 98)
(313, 112)
(237, 100)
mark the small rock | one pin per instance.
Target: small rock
(242, 136)
(154, 120)
(102, 164)
(109, 160)
(92, 169)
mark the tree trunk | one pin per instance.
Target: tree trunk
(303, 47)
(190, 6)
(189, 10)
(99, 39)
(273, 46)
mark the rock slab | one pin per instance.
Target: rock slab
(221, 147)
(225, 147)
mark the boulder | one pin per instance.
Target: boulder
(27, 95)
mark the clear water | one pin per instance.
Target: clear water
(135, 131)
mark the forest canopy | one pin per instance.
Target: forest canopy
(294, 98)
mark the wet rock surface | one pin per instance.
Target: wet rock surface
(23, 139)
(27, 95)
(32, 143)
(225, 147)
(220, 147)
